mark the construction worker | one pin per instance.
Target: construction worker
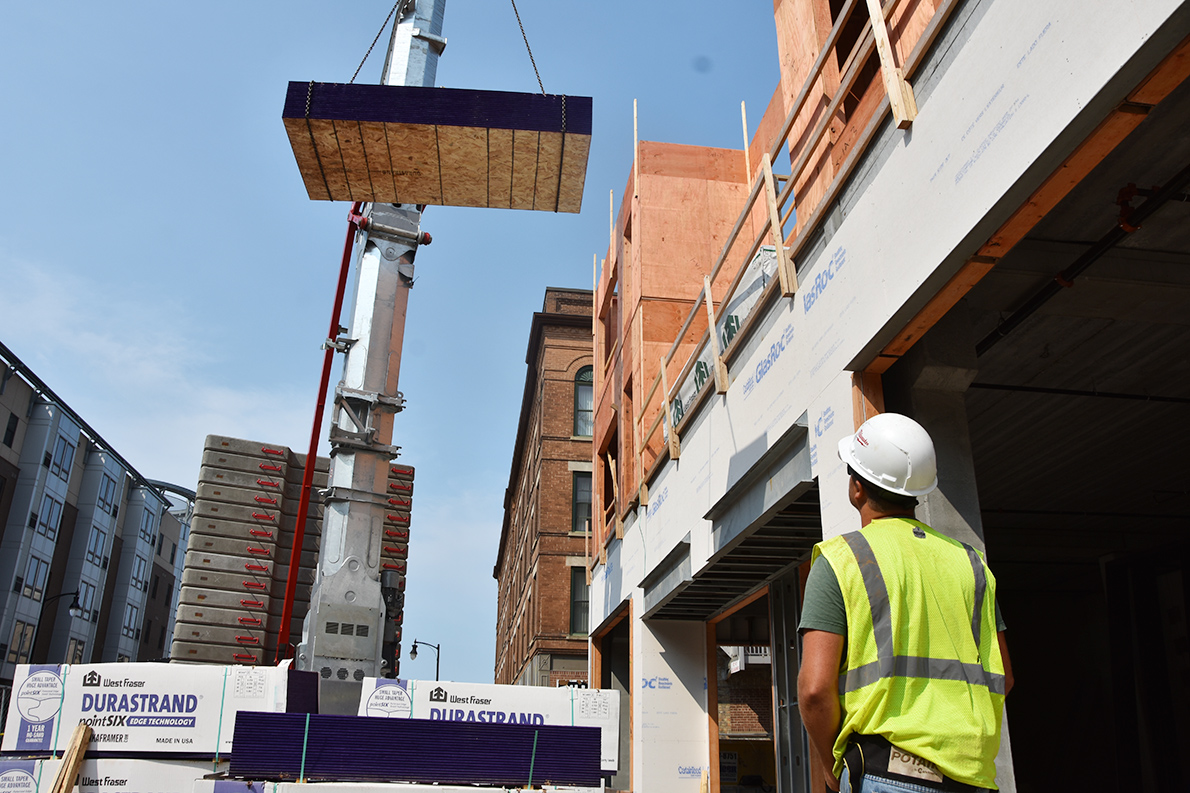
(904, 664)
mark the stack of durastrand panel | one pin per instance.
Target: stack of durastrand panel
(394, 549)
(237, 562)
(327, 748)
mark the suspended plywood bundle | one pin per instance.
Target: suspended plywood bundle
(442, 146)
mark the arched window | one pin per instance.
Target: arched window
(584, 403)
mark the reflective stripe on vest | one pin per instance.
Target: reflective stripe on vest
(890, 665)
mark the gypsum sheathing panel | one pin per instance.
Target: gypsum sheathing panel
(405, 144)
(215, 653)
(341, 748)
(198, 633)
(223, 443)
(256, 603)
(221, 460)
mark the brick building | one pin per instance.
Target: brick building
(541, 615)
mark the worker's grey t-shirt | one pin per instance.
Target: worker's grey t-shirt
(823, 608)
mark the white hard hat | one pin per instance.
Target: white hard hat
(893, 452)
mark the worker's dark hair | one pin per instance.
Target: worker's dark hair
(882, 499)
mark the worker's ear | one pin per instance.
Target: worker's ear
(856, 493)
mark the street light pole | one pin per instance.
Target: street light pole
(76, 610)
(437, 654)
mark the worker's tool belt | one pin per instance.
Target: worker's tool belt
(872, 754)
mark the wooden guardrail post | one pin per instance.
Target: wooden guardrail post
(712, 331)
(900, 93)
(786, 274)
(611, 463)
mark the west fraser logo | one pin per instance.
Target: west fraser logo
(92, 678)
(438, 695)
(766, 363)
(823, 279)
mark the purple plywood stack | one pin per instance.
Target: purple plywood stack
(241, 541)
(280, 746)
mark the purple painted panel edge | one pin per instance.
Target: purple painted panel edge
(456, 107)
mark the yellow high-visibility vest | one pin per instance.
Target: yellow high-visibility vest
(922, 666)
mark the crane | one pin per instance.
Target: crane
(351, 630)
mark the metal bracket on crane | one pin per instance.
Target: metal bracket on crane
(348, 494)
(379, 401)
(364, 441)
(437, 43)
(341, 344)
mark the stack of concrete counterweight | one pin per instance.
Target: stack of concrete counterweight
(241, 540)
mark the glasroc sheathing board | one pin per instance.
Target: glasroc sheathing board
(443, 146)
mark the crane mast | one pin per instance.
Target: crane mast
(352, 628)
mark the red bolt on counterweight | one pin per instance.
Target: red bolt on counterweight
(299, 532)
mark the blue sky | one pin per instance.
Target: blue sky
(162, 269)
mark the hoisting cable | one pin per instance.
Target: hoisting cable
(533, 61)
(527, 47)
(369, 52)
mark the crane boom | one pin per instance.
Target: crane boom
(352, 628)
